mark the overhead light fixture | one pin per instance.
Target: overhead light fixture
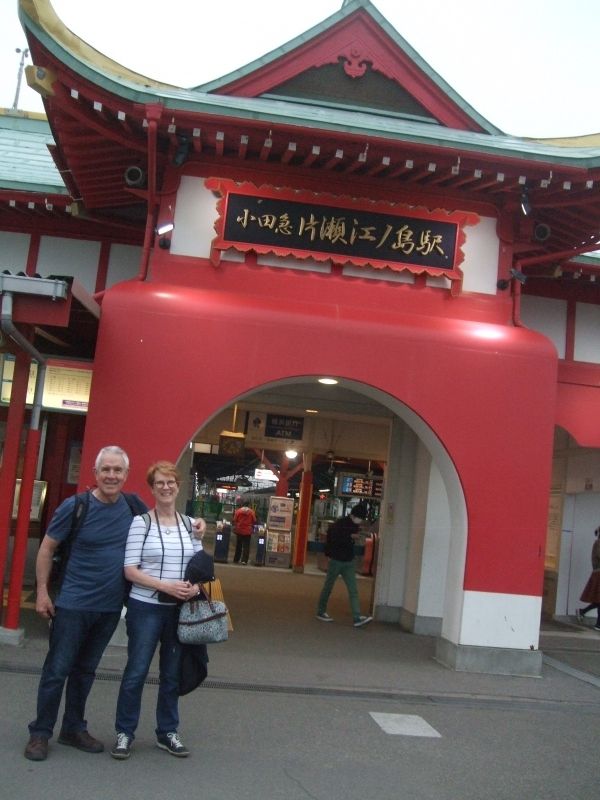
(135, 177)
(542, 232)
(291, 453)
(525, 204)
(310, 411)
(164, 227)
(328, 381)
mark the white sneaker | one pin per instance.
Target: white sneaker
(172, 744)
(122, 748)
(325, 617)
(362, 621)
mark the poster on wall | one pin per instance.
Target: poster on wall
(37, 500)
(279, 532)
(66, 386)
(74, 463)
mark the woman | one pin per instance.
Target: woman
(591, 593)
(156, 556)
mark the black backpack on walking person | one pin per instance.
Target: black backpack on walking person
(63, 551)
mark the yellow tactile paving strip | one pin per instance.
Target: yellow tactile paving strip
(28, 598)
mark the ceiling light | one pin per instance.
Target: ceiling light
(525, 204)
(310, 411)
(291, 453)
(164, 227)
(328, 381)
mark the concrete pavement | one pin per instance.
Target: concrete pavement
(288, 710)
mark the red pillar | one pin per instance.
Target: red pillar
(283, 484)
(22, 530)
(306, 485)
(10, 458)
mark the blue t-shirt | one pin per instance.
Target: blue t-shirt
(94, 579)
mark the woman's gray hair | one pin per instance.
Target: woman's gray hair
(113, 450)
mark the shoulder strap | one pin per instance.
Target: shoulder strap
(63, 551)
(82, 502)
(146, 517)
(186, 521)
(136, 506)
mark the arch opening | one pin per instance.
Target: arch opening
(352, 426)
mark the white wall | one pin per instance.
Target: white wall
(195, 215)
(581, 516)
(481, 249)
(436, 548)
(123, 263)
(76, 257)
(13, 251)
(548, 316)
(587, 333)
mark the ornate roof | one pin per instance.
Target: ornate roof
(407, 132)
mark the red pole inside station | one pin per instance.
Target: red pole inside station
(22, 530)
(10, 456)
(302, 521)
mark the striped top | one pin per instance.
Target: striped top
(162, 556)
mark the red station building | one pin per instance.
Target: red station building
(333, 209)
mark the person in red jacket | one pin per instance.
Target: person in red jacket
(244, 521)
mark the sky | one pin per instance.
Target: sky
(530, 67)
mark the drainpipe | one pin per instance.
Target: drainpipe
(153, 115)
(29, 466)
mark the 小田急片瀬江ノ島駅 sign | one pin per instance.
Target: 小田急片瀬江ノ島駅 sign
(340, 229)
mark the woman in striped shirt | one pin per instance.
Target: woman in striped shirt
(159, 547)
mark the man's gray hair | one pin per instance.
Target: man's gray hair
(113, 450)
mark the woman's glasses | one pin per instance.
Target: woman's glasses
(165, 484)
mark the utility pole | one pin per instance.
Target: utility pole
(24, 54)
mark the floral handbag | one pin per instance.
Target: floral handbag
(202, 620)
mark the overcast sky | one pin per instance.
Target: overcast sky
(528, 66)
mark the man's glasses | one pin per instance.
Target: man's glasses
(165, 484)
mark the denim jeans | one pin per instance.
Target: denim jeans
(347, 570)
(147, 625)
(77, 641)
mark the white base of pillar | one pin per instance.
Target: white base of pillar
(12, 636)
(489, 660)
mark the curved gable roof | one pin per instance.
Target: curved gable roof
(360, 40)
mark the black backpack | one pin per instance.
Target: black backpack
(63, 551)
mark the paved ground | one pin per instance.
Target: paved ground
(295, 708)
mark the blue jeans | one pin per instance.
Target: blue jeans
(77, 641)
(347, 570)
(147, 625)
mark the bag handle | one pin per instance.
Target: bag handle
(207, 596)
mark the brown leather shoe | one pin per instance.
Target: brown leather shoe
(82, 741)
(37, 748)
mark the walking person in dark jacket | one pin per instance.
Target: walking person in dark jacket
(591, 592)
(339, 547)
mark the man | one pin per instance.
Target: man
(339, 546)
(244, 521)
(88, 606)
